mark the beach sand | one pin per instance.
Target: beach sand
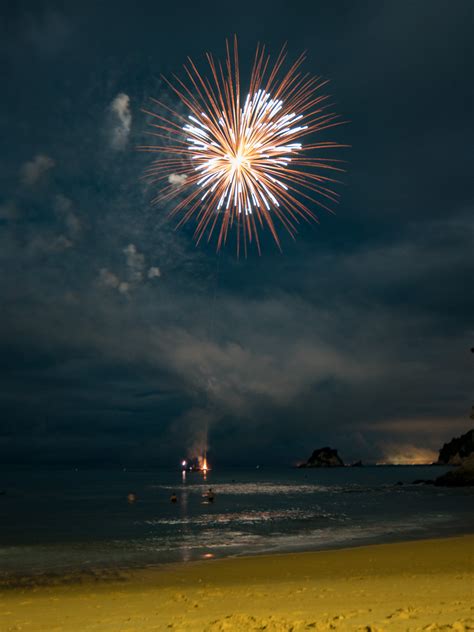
(426, 585)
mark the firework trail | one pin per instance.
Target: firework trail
(240, 163)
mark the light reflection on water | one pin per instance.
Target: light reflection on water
(83, 520)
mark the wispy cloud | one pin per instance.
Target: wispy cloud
(154, 272)
(121, 121)
(134, 272)
(32, 171)
(64, 209)
(48, 244)
(108, 278)
(135, 263)
(177, 179)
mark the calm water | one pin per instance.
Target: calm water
(56, 521)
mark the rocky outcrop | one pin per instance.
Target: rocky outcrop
(324, 457)
(462, 476)
(457, 450)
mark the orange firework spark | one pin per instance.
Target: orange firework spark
(243, 165)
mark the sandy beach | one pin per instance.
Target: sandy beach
(424, 585)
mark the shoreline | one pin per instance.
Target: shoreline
(108, 573)
(410, 585)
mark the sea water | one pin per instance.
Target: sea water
(58, 521)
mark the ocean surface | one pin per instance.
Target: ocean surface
(61, 521)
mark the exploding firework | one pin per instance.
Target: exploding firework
(236, 162)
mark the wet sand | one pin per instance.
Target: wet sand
(426, 585)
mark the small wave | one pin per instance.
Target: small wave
(323, 537)
(242, 489)
(245, 517)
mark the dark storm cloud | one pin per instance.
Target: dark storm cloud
(121, 342)
(33, 29)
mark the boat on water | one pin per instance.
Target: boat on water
(197, 464)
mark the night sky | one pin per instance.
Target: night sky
(121, 341)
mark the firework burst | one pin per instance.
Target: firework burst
(240, 163)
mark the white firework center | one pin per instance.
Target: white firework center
(243, 157)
